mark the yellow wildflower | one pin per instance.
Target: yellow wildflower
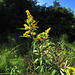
(37, 27)
(33, 24)
(38, 39)
(24, 34)
(72, 68)
(27, 35)
(33, 21)
(68, 72)
(47, 31)
(46, 34)
(43, 33)
(31, 16)
(33, 33)
(39, 35)
(28, 14)
(27, 28)
(27, 32)
(25, 25)
(27, 11)
(27, 21)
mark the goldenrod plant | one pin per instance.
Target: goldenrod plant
(46, 58)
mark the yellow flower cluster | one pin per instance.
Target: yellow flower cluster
(38, 39)
(71, 68)
(27, 27)
(26, 34)
(28, 14)
(30, 26)
(44, 34)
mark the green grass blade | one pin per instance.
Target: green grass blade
(53, 72)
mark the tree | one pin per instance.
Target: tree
(56, 3)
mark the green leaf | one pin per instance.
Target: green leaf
(37, 67)
(21, 28)
(36, 60)
(41, 69)
(53, 72)
(59, 54)
(40, 61)
(47, 61)
(36, 53)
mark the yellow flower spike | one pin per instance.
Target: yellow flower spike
(28, 14)
(68, 72)
(33, 33)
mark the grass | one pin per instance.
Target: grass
(19, 54)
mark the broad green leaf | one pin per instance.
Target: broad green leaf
(53, 72)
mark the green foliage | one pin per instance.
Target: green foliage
(58, 51)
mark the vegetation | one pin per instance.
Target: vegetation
(46, 47)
